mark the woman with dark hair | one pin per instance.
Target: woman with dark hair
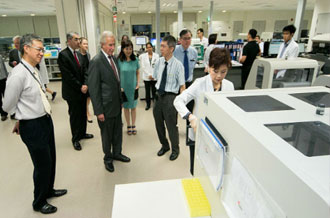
(219, 64)
(129, 82)
(123, 38)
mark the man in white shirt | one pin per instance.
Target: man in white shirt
(26, 96)
(289, 48)
(204, 41)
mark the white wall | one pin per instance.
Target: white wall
(44, 26)
(227, 19)
(105, 18)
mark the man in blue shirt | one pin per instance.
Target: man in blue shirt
(187, 55)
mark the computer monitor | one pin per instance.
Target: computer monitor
(301, 47)
(277, 35)
(274, 48)
(304, 34)
(153, 42)
(140, 40)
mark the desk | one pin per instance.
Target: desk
(159, 199)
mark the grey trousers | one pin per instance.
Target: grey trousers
(112, 137)
(165, 113)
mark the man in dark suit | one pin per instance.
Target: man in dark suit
(14, 54)
(74, 88)
(105, 92)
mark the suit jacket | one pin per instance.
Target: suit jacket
(13, 56)
(73, 76)
(104, 88)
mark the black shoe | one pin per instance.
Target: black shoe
(109, 166)
(147, 108)
(174, 156)
(54, 95)
(12, 117)
(90, 121)
(88, 136)
(122, 158)
(47, 209)
(3, 118)
(77, 146)
(162, 151)
(58, 193)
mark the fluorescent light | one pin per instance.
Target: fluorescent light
(164, 4)
(224, 11)
(149, 12)
(32, 15)
(175, 12)
(124, 12)
(169, 4)
(200, 11)
(4, 15)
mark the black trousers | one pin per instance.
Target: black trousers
(112, 137)
(150, 86)
(165, 113)
(2, 94)
(78, 118)
(245, 75)
(38, 135)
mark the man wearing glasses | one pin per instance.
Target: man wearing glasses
(74, 88)
(26, 96)
(187, 55)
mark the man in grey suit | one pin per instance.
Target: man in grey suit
(105, 93)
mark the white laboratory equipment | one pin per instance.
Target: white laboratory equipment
(276, 161)
(280, 73)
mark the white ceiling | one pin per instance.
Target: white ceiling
(47, 7)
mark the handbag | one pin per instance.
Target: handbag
(136, 94)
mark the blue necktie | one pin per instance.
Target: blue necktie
(161, 89)
(284, 47)
(186, 65)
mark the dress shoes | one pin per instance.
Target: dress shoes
(88, 136)
(58, 193)
(109, 166)
(147, 108)
(54, 95)
(122, 158)
(3, 118)
(77, 146)
(12, 117)
(174, 156)
(162, 151)
(47, 209)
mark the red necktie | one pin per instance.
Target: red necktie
(75, 57)
(113, 67)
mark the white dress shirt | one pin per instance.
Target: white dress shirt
(205, 42)
(22, 95)
(291, 50)
(207, 54)
(146, 68)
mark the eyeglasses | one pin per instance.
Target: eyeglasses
(38, 49)
(75, 39)
(186, 38)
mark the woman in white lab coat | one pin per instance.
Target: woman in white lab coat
(147, 63)
(219, 64)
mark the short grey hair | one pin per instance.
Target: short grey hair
(105, 35)
(69, 35)
(28, 39)
(16, 37)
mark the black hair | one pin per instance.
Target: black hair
(171, 42)
(200, 30)
(218, 57)
(213, 38)
(258, 36)
(149, 43)
(125, 44)
(253, 33)
(184, 32)
(122, 38)
(290, 28)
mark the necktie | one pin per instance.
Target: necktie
(284, 47)
(75, 57)
(186, 65)
(113, 67)
(43, 95)
(162, 85)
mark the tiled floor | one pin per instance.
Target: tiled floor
(90, 186)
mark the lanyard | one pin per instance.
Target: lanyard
(34, 77)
